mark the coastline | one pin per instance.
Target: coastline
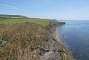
(63, 51)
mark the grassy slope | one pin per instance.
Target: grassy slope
(43, 22)
(17, 34)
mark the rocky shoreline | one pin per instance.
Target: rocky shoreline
(57, 48)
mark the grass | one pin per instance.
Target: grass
(43, 22)
(19, 35)
(22, 37)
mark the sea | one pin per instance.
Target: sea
(75, 34)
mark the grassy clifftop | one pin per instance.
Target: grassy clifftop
(29, 39)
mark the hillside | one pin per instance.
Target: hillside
(29, 39)
(12, 16)
(10, 20)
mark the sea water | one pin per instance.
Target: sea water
(76, 37)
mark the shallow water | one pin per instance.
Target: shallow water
(76, 37)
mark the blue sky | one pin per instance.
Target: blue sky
(54, 9)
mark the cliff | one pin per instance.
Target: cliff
(57, 48)
(31, 41)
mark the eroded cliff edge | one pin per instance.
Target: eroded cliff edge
(57, 48)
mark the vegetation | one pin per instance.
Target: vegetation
(13, 19)
(19, 37)
(23, 38)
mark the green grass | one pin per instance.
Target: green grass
(43, 22)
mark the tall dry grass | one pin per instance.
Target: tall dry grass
(20, 41)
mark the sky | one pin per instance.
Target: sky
(53, 9)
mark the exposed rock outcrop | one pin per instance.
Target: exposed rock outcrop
(57, 49)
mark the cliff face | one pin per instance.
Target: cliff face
(59, 52)
(29, 41)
